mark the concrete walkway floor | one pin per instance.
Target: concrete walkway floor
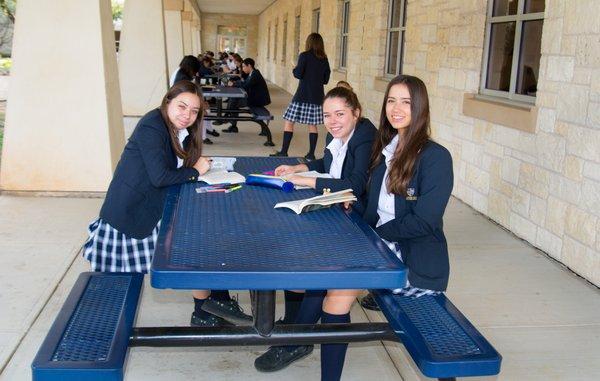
(541, 317)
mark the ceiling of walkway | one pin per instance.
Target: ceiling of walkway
(244, 7)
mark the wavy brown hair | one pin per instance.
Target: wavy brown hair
(347, 95)
(194, 149)
(314, 44)
(411, 142)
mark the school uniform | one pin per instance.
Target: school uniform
(352, 172)
(123, 238)
(306, 106)
(179, 75)
(256, 88)
(415, 228)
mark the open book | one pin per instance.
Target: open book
(318, 202)
(221, 176)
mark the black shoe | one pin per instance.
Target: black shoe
(309, 157)
(229, 310)
(231, 129)
(279, 154)
(207, 141)
(210, 321)
(213, 133)
(218, 122)
(277, 358)
(369, 303)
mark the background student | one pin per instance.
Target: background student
(306, 107)
(188, 68)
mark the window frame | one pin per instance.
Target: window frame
(284, 44)
(344, 29)
(269, 41)
(316, 20)
(297, 24)
(275, 40)
(401, 29)
(519, 18)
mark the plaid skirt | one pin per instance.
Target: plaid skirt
(109, 250)
(304, 113)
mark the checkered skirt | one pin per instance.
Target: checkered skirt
(109, 250)
(304, 113)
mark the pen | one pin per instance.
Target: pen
(233, 188)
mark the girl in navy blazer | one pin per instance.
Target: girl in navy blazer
(306, 107)
(164, 149)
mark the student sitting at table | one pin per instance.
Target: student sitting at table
(206, 68)
(188, 68)
(256, 89)
(164, 149)
(408, 190)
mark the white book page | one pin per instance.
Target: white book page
(221, 176)
(223, 163)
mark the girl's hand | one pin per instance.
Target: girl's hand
(348, 205)
(302, 181)
(283, 170)
(203, 165)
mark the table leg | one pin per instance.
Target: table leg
(219, 106)
(263, 307)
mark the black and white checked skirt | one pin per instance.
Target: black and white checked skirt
(304, 113)
(109, 250)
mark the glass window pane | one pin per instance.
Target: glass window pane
(393, 52)
(504, 7)
(533, 6)
(404, 13)
(502, 39)
(344, 50)
(395, 12)
(529, 59)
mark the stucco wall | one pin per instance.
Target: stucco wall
(543, 186)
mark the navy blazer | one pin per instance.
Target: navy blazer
(418, 226)
(256, 88)
(356, 163)
(136, 196)
(313, 73)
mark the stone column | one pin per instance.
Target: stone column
(142, 57)
(173, 33)
(186, 27)
(64, 129)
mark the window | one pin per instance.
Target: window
(269, 41)
(344, 33)
(275, 42)
(316, 14)
(297, 37)
(284, 47)
(394, 50)
(513, 49)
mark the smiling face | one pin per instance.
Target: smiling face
(339, 119)
(183, 110)
(397, 107)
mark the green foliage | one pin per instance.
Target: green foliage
(5, 65)
(117, 10)
(7, 7)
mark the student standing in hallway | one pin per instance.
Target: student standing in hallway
(306, 107)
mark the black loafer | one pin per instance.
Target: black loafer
(229, 310)
(369, 303)
(218, 122)
(230, 130)
(309, 157)
(213, 133)
(277, 358)
(211, 321)
(279, 154)
(207, 141)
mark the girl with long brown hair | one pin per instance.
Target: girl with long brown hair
(306, 107)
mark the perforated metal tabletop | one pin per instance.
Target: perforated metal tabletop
(239, 241)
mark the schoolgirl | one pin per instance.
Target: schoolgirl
(164, 149)
(409, 187)
(188, 68)
(306, 107)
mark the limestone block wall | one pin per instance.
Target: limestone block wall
(210, 22)
(543, 185)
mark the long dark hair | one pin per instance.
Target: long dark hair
(411, 142)
(190, 66)
(314, 44)
(194, 149)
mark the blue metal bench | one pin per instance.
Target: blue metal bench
(439, 338)
(90, 336)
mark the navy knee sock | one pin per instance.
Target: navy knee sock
(198, 311)
(310, 310)
(293, 301)
(312, 140)
(220, 295)
(333, 355)
(287, 138)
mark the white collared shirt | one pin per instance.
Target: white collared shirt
(338, 151)
(181, 134)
